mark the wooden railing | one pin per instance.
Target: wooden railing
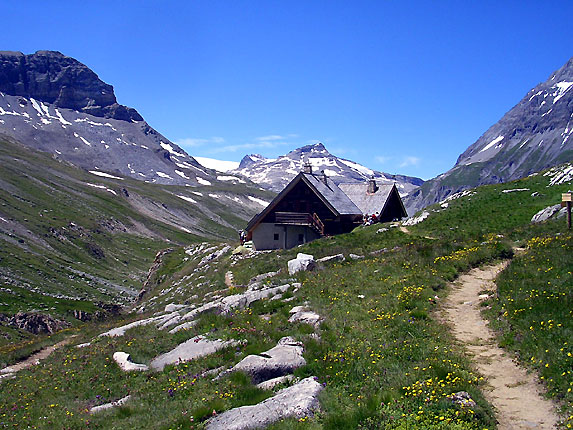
(300, 218)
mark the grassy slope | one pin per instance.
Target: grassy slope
(384, 359)
(65, 245)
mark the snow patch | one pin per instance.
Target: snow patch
(562, 87)
(188, 199)
(219, 165)
(103, 187)
(170, 149)
(163, 175)
(85, 141)
(560, 175)
(61, 118)
(492, 143)
(259, 201)
(180, 173)
(105, 175)
(230, 178)
(359, 167)
(203, 181)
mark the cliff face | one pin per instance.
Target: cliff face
(62, 81)
(58, 105)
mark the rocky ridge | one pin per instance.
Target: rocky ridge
(534, 135)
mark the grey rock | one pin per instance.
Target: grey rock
(280, 360)
(355, 256)
(123, 360)
(52, 77)
(172, 307)
(264, 276)
(198, 346)
(271, 383)
(297, 401)
(110, 405)
(302, 262)
(303, 315)
(545, 214)
(227, 304)
(120, 331)
(84, 345)
(463, 399)
(330, 258)
(184, 326)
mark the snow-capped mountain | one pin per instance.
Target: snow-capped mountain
(275, 173)
(56, 104)
(532, 136)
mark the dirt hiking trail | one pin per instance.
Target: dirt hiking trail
(33, 359)
(515, 394)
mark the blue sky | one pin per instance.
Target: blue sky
(399, 86)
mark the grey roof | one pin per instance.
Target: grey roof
(368, 203)
(332, 195)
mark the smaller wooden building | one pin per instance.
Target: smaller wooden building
(382, 200)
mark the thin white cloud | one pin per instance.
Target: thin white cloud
(191, 142)
(270, 138)
(410, 161)
(250, 146)
(275, 137)
(382, 160)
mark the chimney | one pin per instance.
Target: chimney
(307, 168)
(372, 187)
(323, 177)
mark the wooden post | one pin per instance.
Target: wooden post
(567, 198)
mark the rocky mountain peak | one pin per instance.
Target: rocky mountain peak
(275, 173)
(62, 81)
(534, 135)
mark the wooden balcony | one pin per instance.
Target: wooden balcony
(300, 218)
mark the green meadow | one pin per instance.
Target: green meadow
(383, 356)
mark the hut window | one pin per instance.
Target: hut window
(276, 237)
(301, 237)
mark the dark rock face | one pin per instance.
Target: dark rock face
(62, 81)
(534, 135)
(37, 323)
(275, 174)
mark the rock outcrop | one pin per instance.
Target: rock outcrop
(123, 360)
(302, 262)
(37, 323)
(54, 78)
(189, 350)
(280, 360)
(297, 401)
